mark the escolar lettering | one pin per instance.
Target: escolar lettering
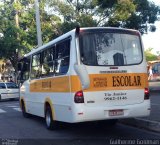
(126, 81)
(46, 85)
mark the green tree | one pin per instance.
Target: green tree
(8, 42)
(149, 55)
(63, 16)
(144, 17)
(21, 35)
(74, 12)
(134, 14)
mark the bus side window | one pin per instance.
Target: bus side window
(23, 70)
(64, 65)
(48, 62)
(36, 66)
(62, 57)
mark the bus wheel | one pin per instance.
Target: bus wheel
(50, 123)
(25, 114)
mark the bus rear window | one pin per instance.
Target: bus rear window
(103, 49)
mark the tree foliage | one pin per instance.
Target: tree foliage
(146, 13)
(8, 42)
(60, 16)
(22, 36)
(149, 55)
(134, 14)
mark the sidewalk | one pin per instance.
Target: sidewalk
(151, 122)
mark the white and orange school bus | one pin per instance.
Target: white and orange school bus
(87, 74)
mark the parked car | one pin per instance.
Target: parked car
(8, 90)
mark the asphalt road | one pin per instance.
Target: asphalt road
(18, 130)
(155, 106)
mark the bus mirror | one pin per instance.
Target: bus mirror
(19, 66)
(83, 75)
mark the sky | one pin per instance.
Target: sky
(152, 39)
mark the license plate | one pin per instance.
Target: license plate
(116, 112)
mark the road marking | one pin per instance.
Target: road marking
(3, 105)
(2, 111)
(17, 109)
(12, 106)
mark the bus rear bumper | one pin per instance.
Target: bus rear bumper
(86, 113)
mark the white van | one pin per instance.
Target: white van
(8, 90)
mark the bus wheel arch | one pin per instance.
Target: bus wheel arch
(48, 103)
(23, 107)
(51, 124)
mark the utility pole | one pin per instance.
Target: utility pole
(17, 51)
(16, 16)
(38, 24)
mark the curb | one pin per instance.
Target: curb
(142, 123)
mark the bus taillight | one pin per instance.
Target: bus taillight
(146, 94)
(79, 98)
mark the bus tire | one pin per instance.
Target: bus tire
(24, 113)
(50, 123)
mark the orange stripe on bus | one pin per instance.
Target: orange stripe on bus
(98, 82)
(58, 84)
(123, 81)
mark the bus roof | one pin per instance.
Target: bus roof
(35, 50)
